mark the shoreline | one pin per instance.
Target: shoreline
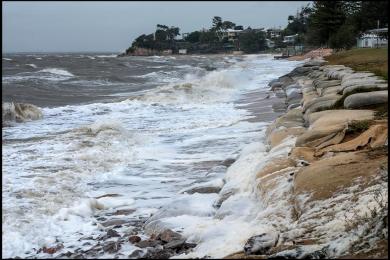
(310, 136)
(338, 142)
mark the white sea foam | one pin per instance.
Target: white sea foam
(51, 74)
(56, 71)
(32, 65)
(107, 56)
(146, 150)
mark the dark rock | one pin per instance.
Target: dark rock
(111, 246)
(124, 212)
(94, 249)
(228, 162)
(224, 196)
(260, 244)
(175, 244)
(286, 80)
(299, 71)
(114, 222)
(276, 85)
(272, 81)
(67, 254)
(203, 190)
(78, 256)
(209, 68)
(189, 245)
(319, 254)
(169, 235)
(148, 243)
(134, 239)
(112, 233)
(136, 254)
(158, 254)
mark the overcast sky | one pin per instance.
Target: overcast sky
(112, 26)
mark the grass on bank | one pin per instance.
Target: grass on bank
(362, 59)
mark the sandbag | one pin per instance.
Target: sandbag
(366, 99)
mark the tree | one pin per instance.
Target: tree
(193, 37)
(227, 25)
(252, 41)
(173, 32)
(144, 41)
(161, 35)
(208, 37)
(162, 27)
(344, 38)
(239, 27)
(370, 13)
(327, 18)
(217, 22)
(217, 25)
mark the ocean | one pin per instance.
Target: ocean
(129, 133)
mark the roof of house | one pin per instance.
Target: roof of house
(378, 30)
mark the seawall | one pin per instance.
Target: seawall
(330, 190)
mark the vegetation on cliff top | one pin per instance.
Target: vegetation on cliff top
(208, 40)
(334, 24)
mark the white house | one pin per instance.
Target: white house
(290, 38)
(231, 34)
(373, 38)
(270, 43)
(274, 32)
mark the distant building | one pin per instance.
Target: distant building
(290, 39)
(232, 34)
(182, 51)
(274, 33)
(167, 51)
(269, 43)
(373, 38)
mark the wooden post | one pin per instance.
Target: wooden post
(377, 35)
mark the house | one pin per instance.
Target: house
(373, 38)
(167, 52)
(232, 34)
(290, 39)
(273, 33)
(269, 43)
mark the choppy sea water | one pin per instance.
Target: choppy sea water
(142, 128)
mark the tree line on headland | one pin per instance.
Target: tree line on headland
(334, 24)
